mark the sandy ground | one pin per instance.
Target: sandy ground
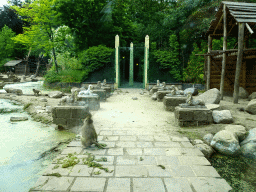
(121, 111)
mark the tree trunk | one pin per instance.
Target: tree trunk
(26, 66)
(55, 61)
(38, 64)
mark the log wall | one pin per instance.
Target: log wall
(247, 76)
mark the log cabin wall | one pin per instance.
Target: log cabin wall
(247, 76)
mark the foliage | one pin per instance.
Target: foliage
(169, 59)
(96, 57)
(195, 69)
(43, 19)
(6, 43)
(65, 62)
(66, 76)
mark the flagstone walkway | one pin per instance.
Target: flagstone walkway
(144, 153)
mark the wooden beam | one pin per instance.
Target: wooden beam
(239, 61)
(224, 58)
(209, 63)
(249, 28)
(218, 24)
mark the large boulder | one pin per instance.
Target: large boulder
(55, 94)
(251, 107)
(208, 138)
(192, 90)
(205, 149)
(154, 96)
(223, 116)
(13, 90)
(226, 143)
(243, 94)
(238, 130)
(251, 137)
(252, 96)
(249, 150)
(211, 96)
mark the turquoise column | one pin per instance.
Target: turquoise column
(146, 64)
(117, 61)
(131, 65)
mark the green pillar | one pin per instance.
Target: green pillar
(117, 61)
(146, 64)
(131, 65)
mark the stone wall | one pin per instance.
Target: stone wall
(69, 116)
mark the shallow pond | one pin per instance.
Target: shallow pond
(21, 143)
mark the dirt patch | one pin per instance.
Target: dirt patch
(122, 112)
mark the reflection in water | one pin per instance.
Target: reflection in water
(20, 144)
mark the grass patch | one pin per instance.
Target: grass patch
(54, 174)
(191, 135)
(250, 119)
(27, 106)
(239, 172)
(6, 110)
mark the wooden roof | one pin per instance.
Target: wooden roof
(237, 12)
(12, 63)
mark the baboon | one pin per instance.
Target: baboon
(89, 135)
(36, 92)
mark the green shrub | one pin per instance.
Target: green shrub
(66, 76)
(95, 57)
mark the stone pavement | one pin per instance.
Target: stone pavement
(134, 153)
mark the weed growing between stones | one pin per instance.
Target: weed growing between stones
(27, 106)
(70, 161)
(54, 174)
(4, 110)
(141, 159)
(89, 161)
(163, 167)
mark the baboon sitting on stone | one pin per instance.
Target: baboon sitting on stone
(89, 135)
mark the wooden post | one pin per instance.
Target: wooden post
(224, 58)
(209, 63)
(239, 60)
(117, 61)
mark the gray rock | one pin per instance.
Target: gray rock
(212, 106)
(252, 96)
(18, 118)
(135, 98)
(154, 96)
(205, 149)
(251, 107)
(226, 143)
(208, 138)
(249, 150)
(192, 90)
(211, 96)
(251, 137)
(238, 130)
(75, 89)
(43, 99)
(198, 141)
(223, 116)
(55, 94)
(48, 109)
(243, 94)
(13, 90)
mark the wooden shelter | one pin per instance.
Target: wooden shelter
(230, 69)
(16, 66)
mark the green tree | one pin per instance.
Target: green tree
(43, 20)
(194, 72)
(169, 58)
(6, 43)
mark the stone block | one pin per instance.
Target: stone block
(101, 93)
(60, 121)
(160, 95)
(90, 184)
(193, 116)
(93, 101)
(79, 112)
(131, 171)
(118, 184)
(171, 102)
(62, 111)
(148, 185)
(74, 122)
(108, 91)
